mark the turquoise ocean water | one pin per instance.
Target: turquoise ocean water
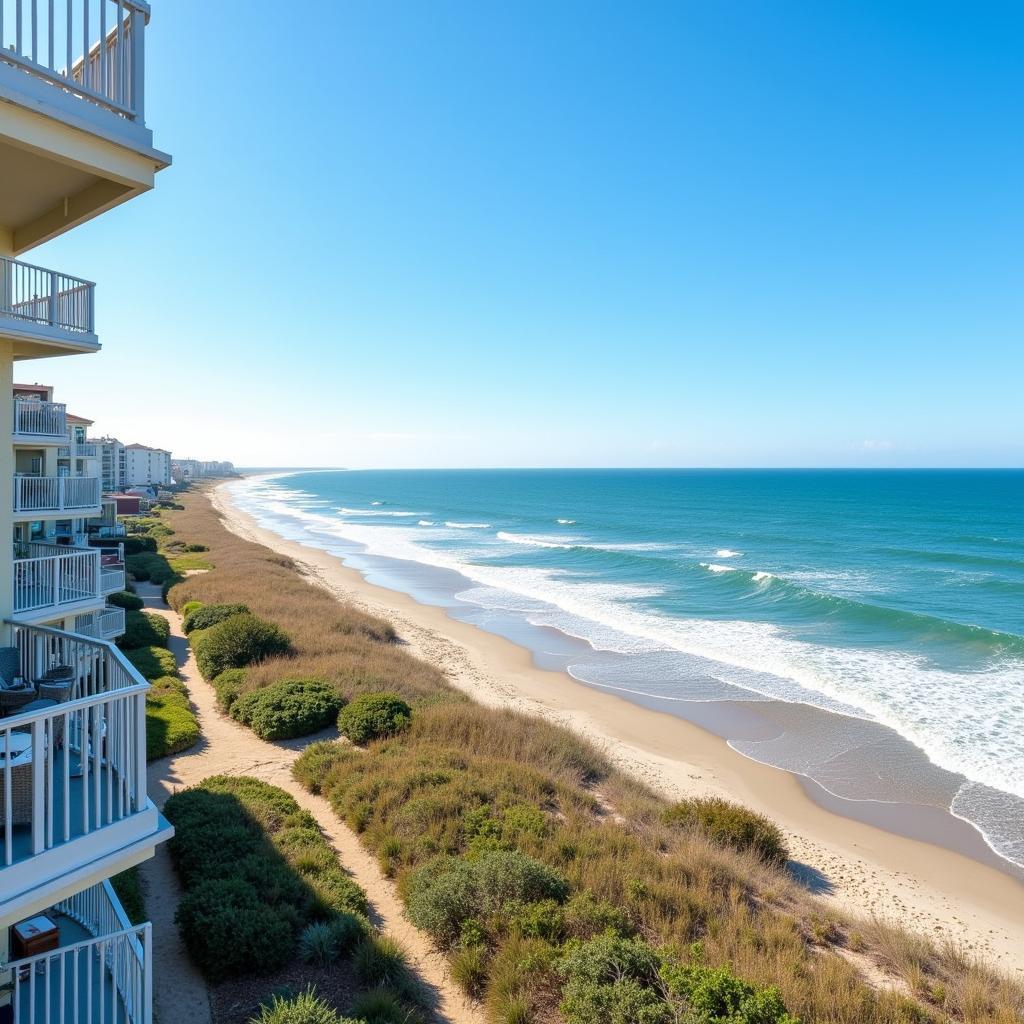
(863, 629)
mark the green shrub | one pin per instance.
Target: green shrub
(292, 707)
(229, 930)
(305, 1008)
(611, 979)
(731, 825)
(469, 968)
(131, 602)
(138, 545)
(228, 686)
(317, 945)
(203, 616)
(171, 724)
(312, 766)
(129, 892)
(236, 642)
(149, 566)
(168, 585)
(383, 1007)
(448, 891)
(153, 662)
(144, 629)
(372, 715)
(715, 994)
(380, 961)
(188, 607)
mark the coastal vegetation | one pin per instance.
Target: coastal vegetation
(292, 707)
(560, 887)
(371, 716)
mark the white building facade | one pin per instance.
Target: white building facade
(146, 467)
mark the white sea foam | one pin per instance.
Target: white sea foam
(534, 541)
(712, 567)
(376, 512)
(565, 522)
(468, 526)
(426, 522)
(727, 553)
(924, 703)
(761, 577)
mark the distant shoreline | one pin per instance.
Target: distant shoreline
(934, 888)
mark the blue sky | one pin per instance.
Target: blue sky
(533, 234)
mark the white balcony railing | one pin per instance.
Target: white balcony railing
(77, 451)
(106, 624)
(40, 419)
(48, 297)
(71, 770)
(55, 575)
(112, 579)
(105, 979)
(56, 493)
(94, 49)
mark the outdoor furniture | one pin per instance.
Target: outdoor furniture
(36, 935)
(14, 693)
(57, 683)
(21, 778)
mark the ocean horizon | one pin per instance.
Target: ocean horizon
(863, 629)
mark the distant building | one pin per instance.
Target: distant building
(187, 470)
(147, 467)
(113, 463)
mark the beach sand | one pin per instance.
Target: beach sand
(856, 866)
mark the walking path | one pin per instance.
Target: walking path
(227, 748)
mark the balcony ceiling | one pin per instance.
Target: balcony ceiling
(33, 186)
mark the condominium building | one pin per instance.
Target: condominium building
(146, 467)
(74, 809)
(185, 470)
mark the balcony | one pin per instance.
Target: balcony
(101, 971)
(78, 450)
(73, 137)
(55, 578)
(73, 801)
(36, 497)
(106, 624)
(45, 312)
(39, 422)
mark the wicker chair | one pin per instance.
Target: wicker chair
(57, 683)
(21, 797)
(12, 699)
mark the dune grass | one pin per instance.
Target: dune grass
(463, 780)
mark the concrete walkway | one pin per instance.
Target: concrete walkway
(227, 748)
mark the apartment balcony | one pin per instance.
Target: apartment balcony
(73, 135)
(41, 497)
(38, 423)
(45, 313)
(106, 624)
(73, 802)
(78, 450)
(53, 579)
(100, 972)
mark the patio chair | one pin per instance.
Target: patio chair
(12, 697)
(56, 683)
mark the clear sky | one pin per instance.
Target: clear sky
(569, 233)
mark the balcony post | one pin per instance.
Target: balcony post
(138, 34)
(147, 974)
(38, 792)
(139, 795)
(54, 296)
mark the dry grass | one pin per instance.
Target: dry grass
(414, 796)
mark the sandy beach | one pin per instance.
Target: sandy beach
(858, 866)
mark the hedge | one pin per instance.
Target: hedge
(153, 662)
(171, 725)
(290, 708)
(371, 716)
(123, 599)
(256, 870)
(236, 642)
(206, 615)
(228, 687)
(144, 629)
(149, 566)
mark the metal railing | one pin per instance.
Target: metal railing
(79, 766)
(106, 624)
(90, 48)
(47, 297)
(55, 493)
(107, 979)
(78, 450)
(40, 419)
(51, 575)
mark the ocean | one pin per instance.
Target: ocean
(862, 629)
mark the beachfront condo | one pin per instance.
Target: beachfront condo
(74, 810)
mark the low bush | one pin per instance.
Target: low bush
(144, 629)
(274, 863)
(171, 724)
(196, 615)
(292, 707)
(382, 1006)
(730, 825)
(153, 662)
(168, 584)
(137, 545)
(447, 892)
(380, 962)
(228, 686)
(129, 892)
(236, 642)
(371, 716)
(123, 599)
(150, 566)
(316, 761)
(305, 1008)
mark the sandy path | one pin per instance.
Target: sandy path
(226, 748)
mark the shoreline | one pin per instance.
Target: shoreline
(853, 864)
